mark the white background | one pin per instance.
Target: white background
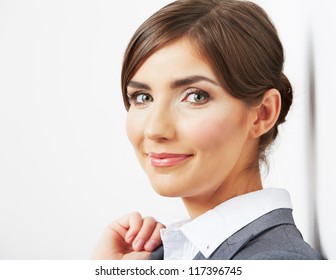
(66, 166)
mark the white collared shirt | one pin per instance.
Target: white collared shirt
(183, 240)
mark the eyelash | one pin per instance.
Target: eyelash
(191, 91)
(132, 97)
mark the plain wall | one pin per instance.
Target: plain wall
(323, 26)
(66, 166)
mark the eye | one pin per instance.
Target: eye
(139, 98)
(196, 96)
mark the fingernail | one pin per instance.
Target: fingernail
(139, 244)
(151, 245)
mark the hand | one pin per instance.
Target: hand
(129, 238)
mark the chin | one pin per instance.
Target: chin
(166, 191)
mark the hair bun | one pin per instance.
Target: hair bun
(286, 91)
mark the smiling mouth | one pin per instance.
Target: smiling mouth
(167, 159)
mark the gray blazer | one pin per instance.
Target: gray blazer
(273, 236)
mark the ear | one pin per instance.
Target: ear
(267, 113)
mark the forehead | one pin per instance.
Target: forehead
(178, 58)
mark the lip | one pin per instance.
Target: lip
(167, 159)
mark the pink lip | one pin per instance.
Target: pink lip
(166, 159)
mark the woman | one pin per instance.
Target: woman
(203, 85)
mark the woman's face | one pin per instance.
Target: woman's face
(190, 136)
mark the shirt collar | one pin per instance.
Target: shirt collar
(212, 228)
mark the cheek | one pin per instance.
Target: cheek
(133, 129)
(212, 134)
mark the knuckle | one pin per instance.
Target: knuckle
(149, 219)
(135, 214)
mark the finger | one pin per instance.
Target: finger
(146, 231)
(155, 239)
(132, 223)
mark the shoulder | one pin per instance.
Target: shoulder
(283, 242)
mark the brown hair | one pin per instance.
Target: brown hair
(235, 37)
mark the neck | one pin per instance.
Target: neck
(248, 182)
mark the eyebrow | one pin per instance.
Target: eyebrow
(191, 80)
(175, 84)
(135, 84)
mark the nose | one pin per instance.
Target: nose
(160, 123)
